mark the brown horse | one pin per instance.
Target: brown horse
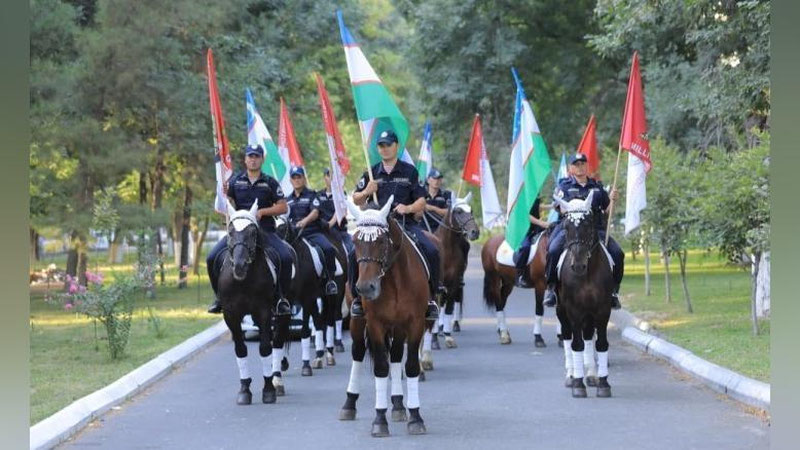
(498, 282)
(395, 291)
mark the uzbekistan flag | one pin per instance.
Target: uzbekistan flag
(257, 133)
(425, 160)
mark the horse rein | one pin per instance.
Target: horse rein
(459, 228)
(387, 258)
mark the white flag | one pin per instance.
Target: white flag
(635, 194)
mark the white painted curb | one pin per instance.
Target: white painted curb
(739, 387)
(65, 423)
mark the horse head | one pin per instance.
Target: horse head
(462, 219)
(243, 239)
(580, 234)
(373, 247)
(285, 229)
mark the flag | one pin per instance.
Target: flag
(588, 147)
(287, 142)
(340, 165)
(633, 138)
(490, 204)
(425, 160)
(475, 150)
(529, 167)
(222, 156)
(257, 134)
(562, 173)
(375, 109)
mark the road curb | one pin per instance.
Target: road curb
(735, 385)
(65, 423)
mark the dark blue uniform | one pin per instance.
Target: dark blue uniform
(568, 189)
(522, 255)
(403, 183)
(442, 199)
(268, 192)
(326, 211)
(300, 206)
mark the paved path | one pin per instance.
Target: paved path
(480, 395)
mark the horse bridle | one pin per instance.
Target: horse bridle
(387, 257)
(589, 243)
(459, 228)
(250, 251)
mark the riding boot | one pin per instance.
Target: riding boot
(521, 281)
(550, 296)
(215, 307)
(433, 311)
(357, 309)
(282, 307)
(615, 304)
(331, 288)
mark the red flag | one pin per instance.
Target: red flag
(472, 163)
(286, 138)
(331, 129)
(633, 137)
(588, 146)
(222, 156)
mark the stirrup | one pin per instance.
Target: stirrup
(282, 308)
(550, 298)
(433, 311)
(615, 304)
(331, 288)
(520, 280)
(216, 307)
(357, 309)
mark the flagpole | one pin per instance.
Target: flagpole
(369, 169)
(613, 188)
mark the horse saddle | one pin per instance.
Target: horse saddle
(318, 257)
(273, 262)
(505, 254)
(421, 255)
(564, 255)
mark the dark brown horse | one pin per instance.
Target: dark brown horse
(395, 292)
(498, 282)
(584, 292)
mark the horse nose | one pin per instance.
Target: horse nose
(368, 289)
(239, 272)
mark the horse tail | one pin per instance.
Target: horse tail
(488, 297)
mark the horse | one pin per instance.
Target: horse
(395, 291)
(584, 288)
(306, 291)
(498, 282)
(246, 286)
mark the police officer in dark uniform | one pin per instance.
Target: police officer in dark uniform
(521, 256)
(438, 200)
(578, 185)
(327, 213)
(242, 190)
(394, 177)
(304, 214)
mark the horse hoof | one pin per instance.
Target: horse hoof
(338, 347)
(449, 342)
(316, 363)
(578, 392)
(591, 381)
(417, 428)
(284, 364)
(277, 382)
(538, 342)
(505, 337)
(244, 398)
(268, 396)
(435, 343)
(399, 415)
(329, 359)
(568, 382)
(422, 376)
(560, 343)
(306, 371)
(604, 392)
(380, 429)
(456, 327)
(347, 414)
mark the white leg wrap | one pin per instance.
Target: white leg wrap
(329, 337)
(501, 320)
(244, 371)
(448, 323)
(339, 330)
(277, 356)
(558, 327)
(568, 356)
(311, 324)
(412, 385)
(319, 340)
(381, 401)
(537, 324)
(353, 386)
(440, 321)
(396, 371)
(305, 344)
(602, 364)
(427, 338)
(577, 361)
(266, 366)
(457, 311)
(588, 356)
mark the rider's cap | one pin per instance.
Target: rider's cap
(326, 171)
(387, 137)
(296, 171)
(435, 174)
(254, 149)
(577, 157)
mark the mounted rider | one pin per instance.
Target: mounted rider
(327, 213)
(394, 177)
(578, 185)
(304, 215)
(537, 226)
(243, 189)
(438, 200)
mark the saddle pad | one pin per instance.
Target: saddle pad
(273, 268)
(564, 255)
(505, 254)
(316, 256)
(419, 253)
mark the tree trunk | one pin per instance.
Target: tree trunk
(762, 287)
(157, 183)
(756, 258)
(160, 253)
(72, 257)
(666, 275)
(177, 224)
(83, 260)
(187, 217)
(646, 252)
(682, 255)
(34, 247)
(199, 246)
(113, 246)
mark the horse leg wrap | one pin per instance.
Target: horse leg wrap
(457, 311)
(577, 361)
(588, 356)
(448, 323)
(329, 337)
(266, 366)
(537, 324)
(319, 340)
(427, 338)
(353, 386)
(305, 344)
(339, 329)
(602, 364)
(568, 356)
(396, 371)
(501, 321)
(381, 401)
(277, 356)
(244, 370)
(412, 386)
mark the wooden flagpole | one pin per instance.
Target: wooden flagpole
(613, 188)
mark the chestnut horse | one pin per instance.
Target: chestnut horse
(498, 282)
(394, 289)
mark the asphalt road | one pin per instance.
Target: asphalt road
(479, 395)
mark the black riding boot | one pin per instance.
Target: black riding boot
(615, 304)
(215, 307)
(432, 313)
(550, 296)
(521, 281)
(357, 309)
(282, 307)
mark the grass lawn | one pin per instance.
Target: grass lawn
(720, 329)
(67, 362)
